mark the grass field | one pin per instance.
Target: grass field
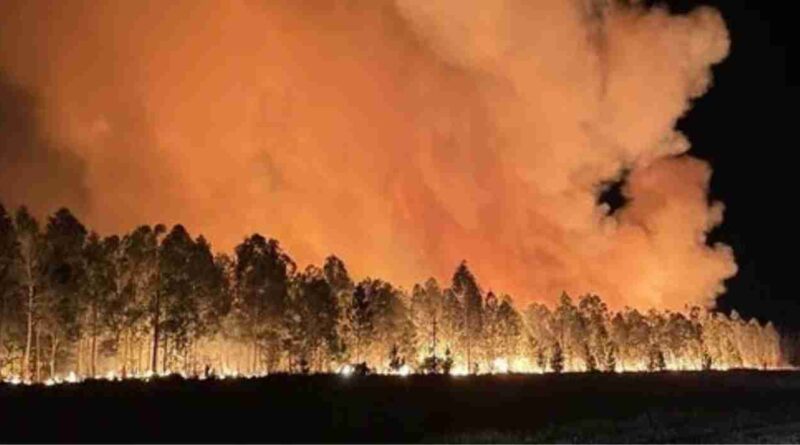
(734, 406)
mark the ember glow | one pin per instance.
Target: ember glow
(400, 135)
(153, 303)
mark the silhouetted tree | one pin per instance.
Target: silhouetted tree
(510, 332)
(361, 320)
(32, 276)
(426, 311)
(65, 275)
(466, 289)
(90, 304)
(10, 303)
(98, 289)
(312, 316)
(262, 274)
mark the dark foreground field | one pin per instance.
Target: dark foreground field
(668, 407)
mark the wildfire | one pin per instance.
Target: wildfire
(371, 326)
(500, 366)
(404, 371)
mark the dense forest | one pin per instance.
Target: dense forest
(157, 301)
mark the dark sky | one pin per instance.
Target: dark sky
(745, 127)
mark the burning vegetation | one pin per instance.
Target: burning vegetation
(155, 301)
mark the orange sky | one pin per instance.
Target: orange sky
(403, 136)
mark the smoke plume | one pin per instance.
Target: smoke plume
(400, 135)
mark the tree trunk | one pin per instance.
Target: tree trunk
(53, 354)
(157, 315)
(166, 353)
(2, 327)
(253, 362)
(26, 361)
(126, 352)
(468, 335)
(140, 347)
(93, 359)
(37, 370)
(434, 340)
(156, 322)
(186, 358)
(80, 356)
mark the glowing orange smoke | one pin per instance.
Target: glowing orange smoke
(402, 136)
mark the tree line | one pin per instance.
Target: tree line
(158, 300)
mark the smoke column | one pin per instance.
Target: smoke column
(402, 136)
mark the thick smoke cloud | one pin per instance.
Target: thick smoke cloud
(402, 136)
(34, 170)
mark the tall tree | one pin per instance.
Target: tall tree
(32, 276)
(491, 329)
(176, 290)
(569, 330)
(453, 322)
(262, 274)
(98, 288)
(140, 263)
(65, 274)
(594, 314)
(9, 292)
(426, 311)
(385, 320)
(342, 287)
(466, 289)
(210, 295)
(510, 332)
(540, 334)
(121, 313)
(312, 317)
(338, 278)
(360, 317)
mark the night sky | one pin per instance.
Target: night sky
(744, 126)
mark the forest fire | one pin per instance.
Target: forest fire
(446, 221)
(447, 137)
(154, 303)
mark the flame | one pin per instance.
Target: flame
(500, 366)
(346, 370)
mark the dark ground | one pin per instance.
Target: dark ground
(738, 406)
